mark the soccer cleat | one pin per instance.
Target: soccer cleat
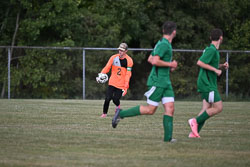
(191, 135)
(103, 115)
(116, 118)
(173, 141)
(194, 126)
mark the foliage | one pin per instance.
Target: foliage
(106, 23)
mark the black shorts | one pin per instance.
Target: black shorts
(113, 92)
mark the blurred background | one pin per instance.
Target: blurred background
(76, 24)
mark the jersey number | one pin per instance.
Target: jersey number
(119, 71)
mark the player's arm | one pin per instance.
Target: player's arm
(128, 76)
(208, 67)
(106, 69)
(156, 60)
(150, 57)
(126, 85)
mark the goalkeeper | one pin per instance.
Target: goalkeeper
(121, 66)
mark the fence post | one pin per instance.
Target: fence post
(227, 76)
(83, 74)
(9, 72)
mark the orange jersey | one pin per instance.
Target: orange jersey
(121, 71)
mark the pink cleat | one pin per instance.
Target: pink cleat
(103, 115)
(191, 135)
(194, 126)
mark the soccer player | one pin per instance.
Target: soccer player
(159, 84)
(121, 65)
(207, 83)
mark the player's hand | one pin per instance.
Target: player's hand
(226, 65)
(174, 64)
(218, 72)
(124, 92)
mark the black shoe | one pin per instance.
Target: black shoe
(116, 118)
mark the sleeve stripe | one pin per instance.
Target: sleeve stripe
(129, 68)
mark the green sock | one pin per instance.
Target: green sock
(200, 126)
(202, 118)
(168, 127)
(130, 112)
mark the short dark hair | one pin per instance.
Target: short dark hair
(168, 27)
(216, 34)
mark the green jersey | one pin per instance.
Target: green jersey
(159, 76)
(207, 80)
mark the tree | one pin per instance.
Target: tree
(106, 23)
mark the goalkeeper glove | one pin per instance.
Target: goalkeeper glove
(124, 92)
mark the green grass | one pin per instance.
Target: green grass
(63, 133)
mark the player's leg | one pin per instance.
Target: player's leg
(216, 109)
(138, 110)
(153, 102)
(205, 107)
(107, 100)
(209, 112)
(212, 105)
(168, 103)
(116, 97)
(197, 123)
(153, 98)
(149, 109)
(168, 121)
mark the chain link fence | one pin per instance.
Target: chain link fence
(69, 72)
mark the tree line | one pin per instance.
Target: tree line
(107, 23)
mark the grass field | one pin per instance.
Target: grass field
(63, 133)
